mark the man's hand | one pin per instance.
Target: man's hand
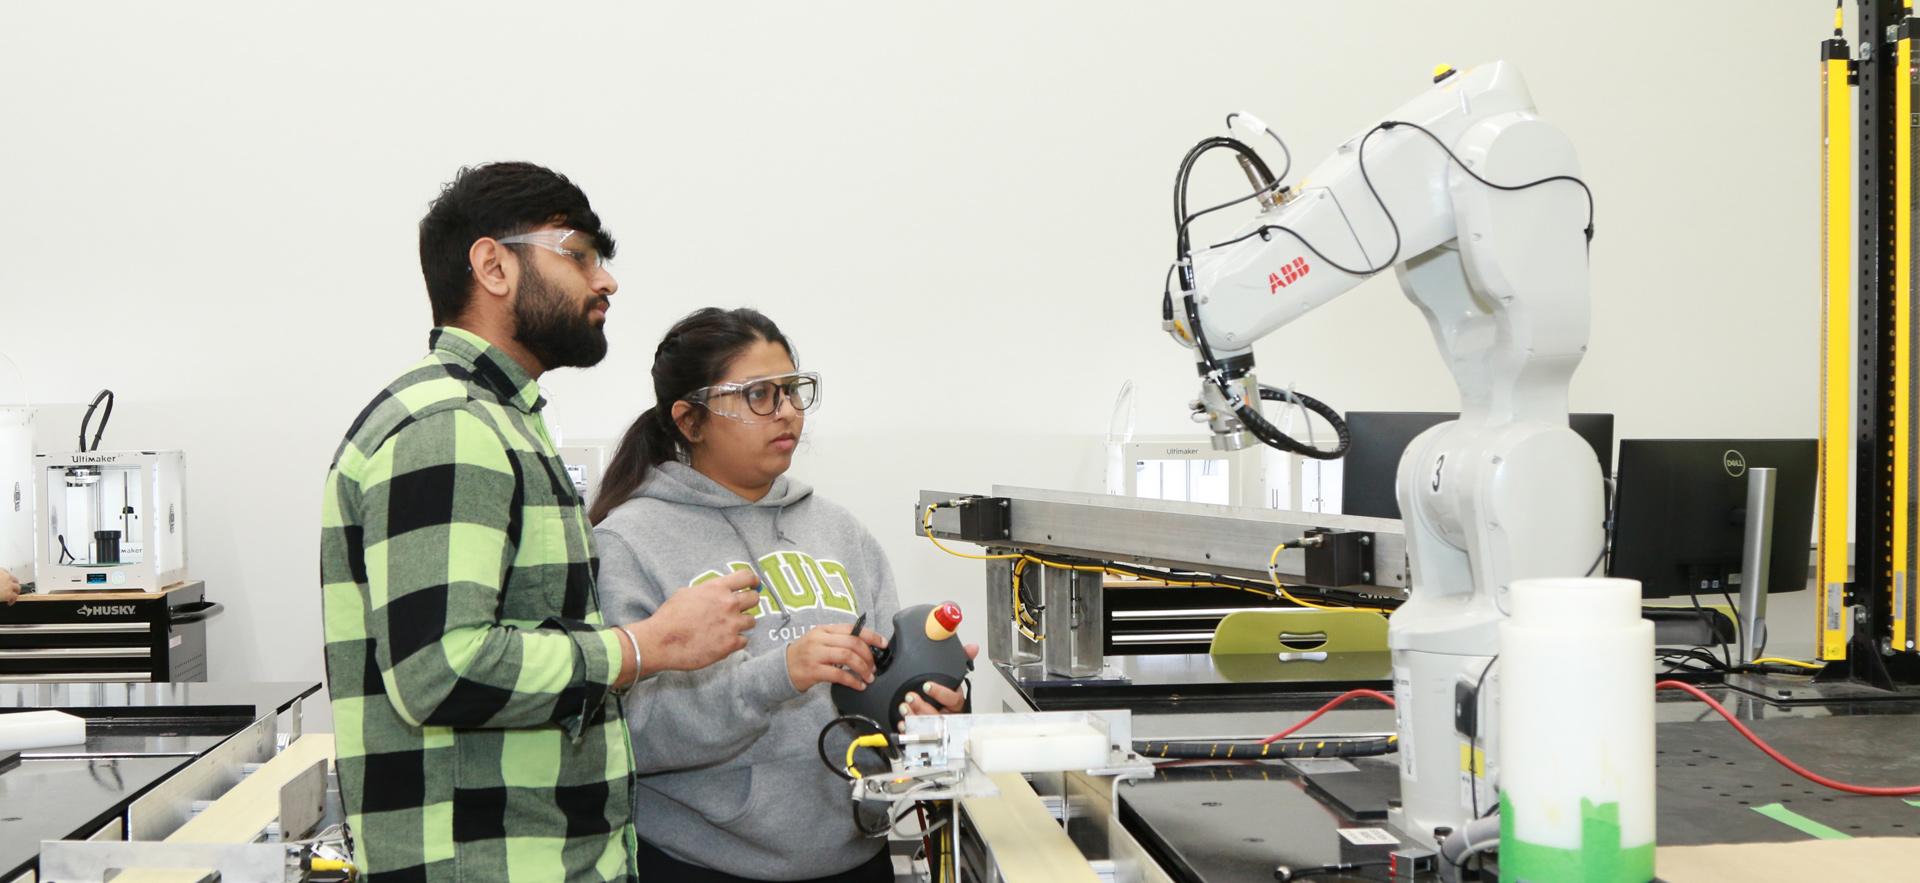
(698, 626)
(949, 701)
(9, 588)
(831, 654)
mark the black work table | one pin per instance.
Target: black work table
(1227, 823)
(138, 734)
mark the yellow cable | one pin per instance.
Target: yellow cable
(1273, 573)
(1775, 660)
(1174, 582)
(927, 525)
(871, 740)
(1022, 618)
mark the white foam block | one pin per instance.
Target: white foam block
(22, 730)
(1037, 748)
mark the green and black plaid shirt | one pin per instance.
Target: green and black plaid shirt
(466, 657)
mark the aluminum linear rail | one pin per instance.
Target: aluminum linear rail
(1185, 536)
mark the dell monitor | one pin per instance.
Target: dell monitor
(1372, 466)
(1680, 510)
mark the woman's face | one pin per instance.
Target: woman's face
(745, 457)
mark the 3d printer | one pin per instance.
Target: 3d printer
(111, 520)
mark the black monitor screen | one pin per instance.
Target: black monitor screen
(1680, 512)
(1368, 473)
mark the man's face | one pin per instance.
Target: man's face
(560, 306)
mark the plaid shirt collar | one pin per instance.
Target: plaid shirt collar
(493, 368)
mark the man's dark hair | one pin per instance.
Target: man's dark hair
(496, 199)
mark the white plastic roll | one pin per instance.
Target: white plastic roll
(1036, 748)
(1576, 733)
(22, 730)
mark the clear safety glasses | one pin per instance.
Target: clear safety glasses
(565, 243)
(758, 400)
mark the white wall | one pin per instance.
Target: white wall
(959, 211)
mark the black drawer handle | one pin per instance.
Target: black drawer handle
(198, 611)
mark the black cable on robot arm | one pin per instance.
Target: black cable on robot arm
(1216, 142)
(1286, 155)
(1275, 183)
(1272, 186)
(1265, 230)
(1390, 124)
(1166, 294)
(1199, 334)
(1251, 416)
(1180, 216)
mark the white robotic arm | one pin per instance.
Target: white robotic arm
(1476, 203)
(1386, 198)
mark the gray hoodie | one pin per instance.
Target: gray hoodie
(730, 777)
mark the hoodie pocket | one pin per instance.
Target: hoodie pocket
(800, 794)
(721, 796)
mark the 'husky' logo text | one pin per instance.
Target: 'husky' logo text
(797, 581)
(107, 610)
(1288, 275)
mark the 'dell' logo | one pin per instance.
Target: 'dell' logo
(1287, 275)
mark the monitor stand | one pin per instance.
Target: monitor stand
(1756, 553)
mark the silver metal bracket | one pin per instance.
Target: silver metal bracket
(80, 861)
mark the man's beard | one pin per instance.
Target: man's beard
(552, 329)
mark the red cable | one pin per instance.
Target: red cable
(1695, 692)
(1336, 703)
(1799, 770)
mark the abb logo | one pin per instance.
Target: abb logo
(1287, 275)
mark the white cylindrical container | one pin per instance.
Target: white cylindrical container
(1576, 733)
(16, 491)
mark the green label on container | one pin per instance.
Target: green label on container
(1599, 859)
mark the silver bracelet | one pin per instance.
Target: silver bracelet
(635, 644)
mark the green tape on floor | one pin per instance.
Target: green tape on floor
(1913, 803)
(1800, 823)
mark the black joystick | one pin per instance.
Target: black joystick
(923, 649)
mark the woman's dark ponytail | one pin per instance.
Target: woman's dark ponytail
(649, 442)
(695, 353)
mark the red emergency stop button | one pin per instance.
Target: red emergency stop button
(943, 621)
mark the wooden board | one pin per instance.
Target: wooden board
(1026, 843)
(1866, 858)
(97, 595)
(238, 815)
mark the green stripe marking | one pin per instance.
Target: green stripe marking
(1800, 823)
(1599, 859)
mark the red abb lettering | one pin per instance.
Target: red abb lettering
(1287, 275)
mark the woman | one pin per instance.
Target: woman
(731, 785)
